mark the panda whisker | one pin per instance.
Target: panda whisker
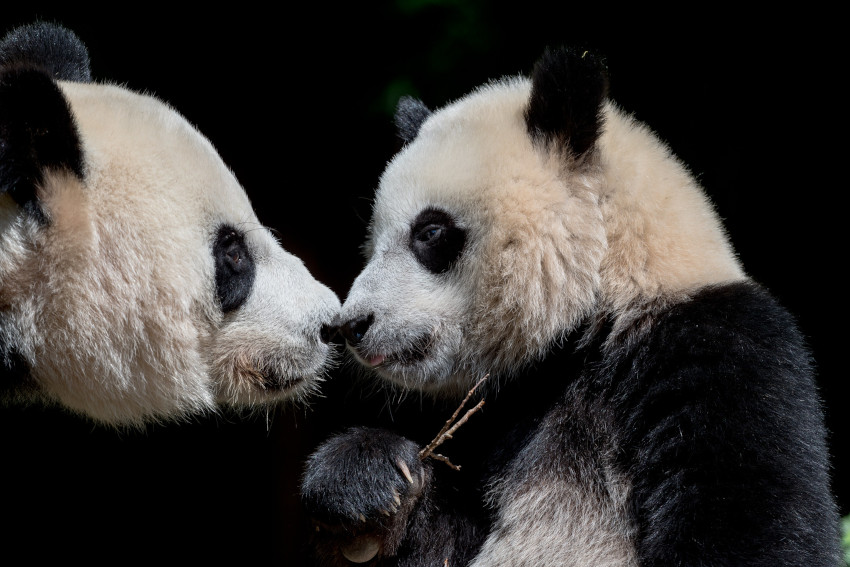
(275, 232)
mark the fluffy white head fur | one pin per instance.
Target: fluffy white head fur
(552, 242)
(112, 302)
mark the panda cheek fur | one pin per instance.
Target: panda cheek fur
(252, 377)
(408, 343)
(529, 291)
(272, 348)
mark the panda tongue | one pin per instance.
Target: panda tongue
(376, 360)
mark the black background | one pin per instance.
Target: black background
(297, 100)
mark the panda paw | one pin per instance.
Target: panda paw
(362, 475)
(360, 487)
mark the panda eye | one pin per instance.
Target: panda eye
(428, 233)
(435, 240)
(234, 268)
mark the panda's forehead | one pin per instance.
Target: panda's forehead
(401, 198)
(157, 154)
(460, 159)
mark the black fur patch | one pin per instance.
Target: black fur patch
(409, 115)
(568, 89)
(354, 330)
(53, 49)
(16, 384)
(722, 434)
(12, 364)
(339, 461)
(37, 129)
(369, 481)
(234, 268)
(37, 132)
(435, 240)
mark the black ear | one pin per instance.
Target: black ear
(409, 115)
(567, 92)
(37, 129)
(54, 49)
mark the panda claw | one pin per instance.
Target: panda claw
(405, 470)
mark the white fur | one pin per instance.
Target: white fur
(549, 521)
(112, 303)
(663, 234)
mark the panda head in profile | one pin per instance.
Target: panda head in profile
(516, 215)
(136, 282)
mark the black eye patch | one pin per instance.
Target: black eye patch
(435, 240)
(234, 268)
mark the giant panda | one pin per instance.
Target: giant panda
(646, 403)
(136, 283)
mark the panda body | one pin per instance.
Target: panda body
(136, 282)
(647, 403)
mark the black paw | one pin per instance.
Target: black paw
(360, 488)
(364, 475)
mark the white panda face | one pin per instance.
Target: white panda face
(139, 285)
(266, 340)
(461, 279)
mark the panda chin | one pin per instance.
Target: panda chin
(420, 363)
(260, 390)
(256, 380)
(276, 384)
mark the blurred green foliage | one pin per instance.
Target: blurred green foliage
(845, 539)
(464, 28)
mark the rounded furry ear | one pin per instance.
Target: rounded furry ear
(567, 92)
(409, 115)
(54, 49)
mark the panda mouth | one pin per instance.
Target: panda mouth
(415, 353)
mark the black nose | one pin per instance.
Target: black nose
(354, 329)
(327, 332)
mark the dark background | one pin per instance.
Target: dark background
(298, 102)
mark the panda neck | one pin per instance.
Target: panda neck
(664, 237)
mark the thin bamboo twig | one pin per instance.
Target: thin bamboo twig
(451, 426)
(445, 459)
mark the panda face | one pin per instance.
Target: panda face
(460, 279)
(527, 210)
(136, 282)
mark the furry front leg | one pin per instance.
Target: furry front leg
(360, 488)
